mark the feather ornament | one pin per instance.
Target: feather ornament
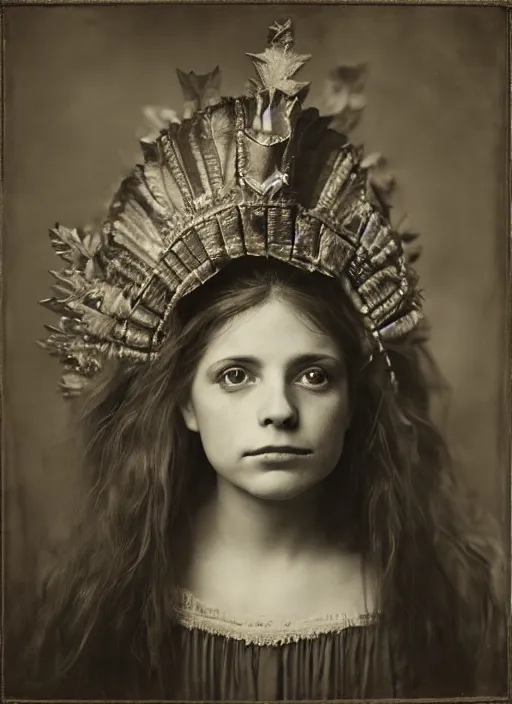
(72, 247)
(81, 348)
(71, 281)
(100, 325)
(69, 325)
(152, 202)
(142, 248)
(144, 224)
(75, 290)
(155, 181)
(112, 300)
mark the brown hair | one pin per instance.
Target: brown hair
(108, 591)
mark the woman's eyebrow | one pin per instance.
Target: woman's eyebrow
(299, 360)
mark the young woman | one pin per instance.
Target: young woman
(272, 513)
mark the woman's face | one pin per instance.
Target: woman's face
(270, 401)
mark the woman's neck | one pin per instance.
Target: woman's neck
(270, 557)
(262, 529)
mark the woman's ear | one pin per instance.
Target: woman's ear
(189, 416)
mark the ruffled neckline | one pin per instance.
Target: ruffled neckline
(194, 614)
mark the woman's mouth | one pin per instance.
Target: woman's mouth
(279, 453)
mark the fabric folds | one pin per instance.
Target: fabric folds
(332, 657)
(327, 666)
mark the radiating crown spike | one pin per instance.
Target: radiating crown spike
(53, 329)
(53, 305)
(64, 293)
(279, 62)
(199, 90)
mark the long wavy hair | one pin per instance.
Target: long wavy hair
(104, 607)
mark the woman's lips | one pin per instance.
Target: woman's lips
(279, 454)
(278, 450)
(279, 457)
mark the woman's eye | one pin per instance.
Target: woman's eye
(316, 378)
(234, 377)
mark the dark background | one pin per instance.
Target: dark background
(77, 79)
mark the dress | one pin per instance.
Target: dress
(224, 658)
(221, 658)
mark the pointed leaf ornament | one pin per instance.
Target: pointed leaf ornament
(277, 65)
(255, 175)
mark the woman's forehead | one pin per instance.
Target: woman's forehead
(275, 327)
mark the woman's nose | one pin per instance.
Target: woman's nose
(277, 408)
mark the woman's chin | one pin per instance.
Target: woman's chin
(278, 486)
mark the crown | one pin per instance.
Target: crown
(254, 175)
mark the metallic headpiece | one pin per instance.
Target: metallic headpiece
(255, 175)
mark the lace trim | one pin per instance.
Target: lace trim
(194, 614)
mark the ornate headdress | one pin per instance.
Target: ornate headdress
(255, 175)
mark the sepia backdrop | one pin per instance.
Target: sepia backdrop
(76, 81)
